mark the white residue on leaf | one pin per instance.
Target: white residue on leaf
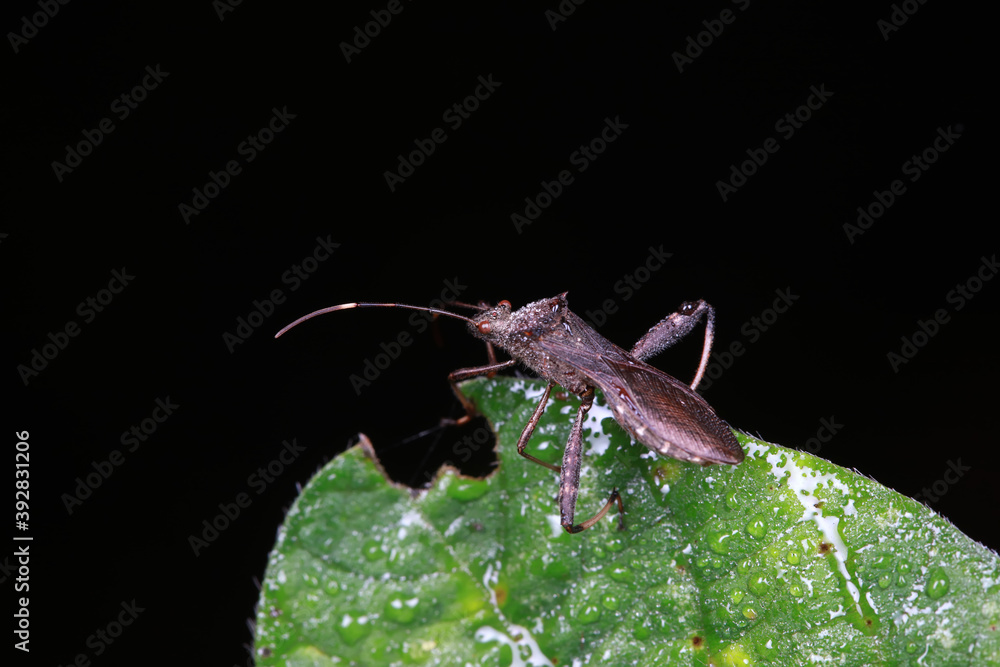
(490, 579)
(530, 391)
(943, 636)
(803, 483)
(347, 620)
(599, 440)
(555, 524)
(396, 603)
(816, 658)
(850, 509)
(409, 519)
(454, 526)
(525, 641)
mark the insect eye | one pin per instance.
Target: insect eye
(503, 303)
(484, 327)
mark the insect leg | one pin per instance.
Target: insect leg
(569, 476)
(529, 428)
(465, 373)
(674, 327)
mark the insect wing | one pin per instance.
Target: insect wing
(658, 410)
(667, 416)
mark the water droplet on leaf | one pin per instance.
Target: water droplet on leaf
(937, 584)
(589, 613)
(372, 550)
(757, 527)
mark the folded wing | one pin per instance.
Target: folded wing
(658, 410)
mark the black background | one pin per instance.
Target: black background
(323, 176)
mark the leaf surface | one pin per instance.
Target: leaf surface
(785, 559)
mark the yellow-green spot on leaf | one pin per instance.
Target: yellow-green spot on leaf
(732, 655)
(308, 656)
(469, 598)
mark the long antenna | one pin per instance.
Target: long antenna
(346, 306)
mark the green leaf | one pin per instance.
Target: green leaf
(785, 559)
